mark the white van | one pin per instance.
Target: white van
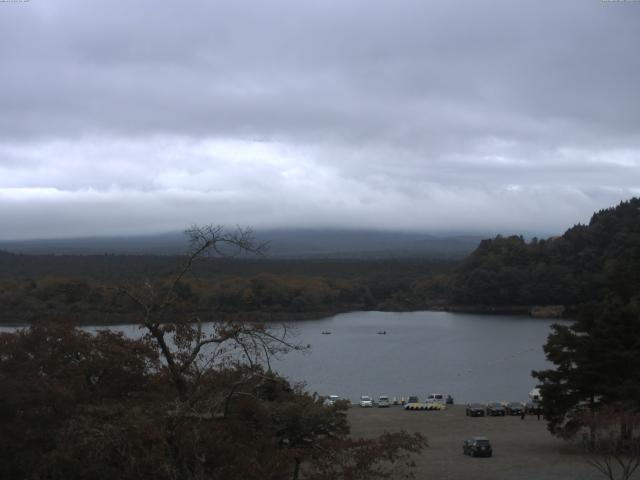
(436, 398)
(534, 395)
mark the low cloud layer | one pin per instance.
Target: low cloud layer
(424, 116)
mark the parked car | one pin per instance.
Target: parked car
(474, 410)
(383, 401)
(495, 410)
(514, 408)
(532, 408)
(435, 398)
(477, 447)
(366, 401)
(412, 399)
(331, 400)
(413, 403)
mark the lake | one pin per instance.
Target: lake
(470, 356)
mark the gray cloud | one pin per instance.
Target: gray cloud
(484, 115)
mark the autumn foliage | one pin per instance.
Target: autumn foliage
(183, 402)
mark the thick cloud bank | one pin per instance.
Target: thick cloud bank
(415, 115)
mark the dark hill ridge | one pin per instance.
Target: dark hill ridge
(284, 243)
(587, 263)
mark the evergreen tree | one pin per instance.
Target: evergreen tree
(597, 362)
(587, 263)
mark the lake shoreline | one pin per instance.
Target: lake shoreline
(98, 319)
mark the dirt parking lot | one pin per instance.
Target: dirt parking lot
(523, 449)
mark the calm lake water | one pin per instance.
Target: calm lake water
(472, 357)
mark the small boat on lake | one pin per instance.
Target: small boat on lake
(383, 332)
(326, 332)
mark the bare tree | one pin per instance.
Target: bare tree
(186, 348)
(612, 445)
(207, 410)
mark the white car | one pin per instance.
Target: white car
(331, 400)
(535, 396)
(435, 398)
(383, 401)
(366, 401)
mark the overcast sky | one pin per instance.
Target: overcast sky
(465, 115)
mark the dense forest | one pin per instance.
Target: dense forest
(586, 264)
(87, 287)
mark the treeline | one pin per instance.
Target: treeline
(114, 268)
(217, 287)
(588, 263)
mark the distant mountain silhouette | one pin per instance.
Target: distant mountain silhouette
(283, 243)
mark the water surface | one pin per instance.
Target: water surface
(470, 356)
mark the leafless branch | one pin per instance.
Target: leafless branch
(613, 448)
(184, 349)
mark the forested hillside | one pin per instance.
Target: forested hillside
(86, 287)
(587, 263)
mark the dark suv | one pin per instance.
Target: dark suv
(533, 408)
(474, 410)
(514, 408)
(477, 447)
(495, 410)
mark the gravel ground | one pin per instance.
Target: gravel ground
(523, 449)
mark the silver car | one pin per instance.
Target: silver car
(366, 401)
